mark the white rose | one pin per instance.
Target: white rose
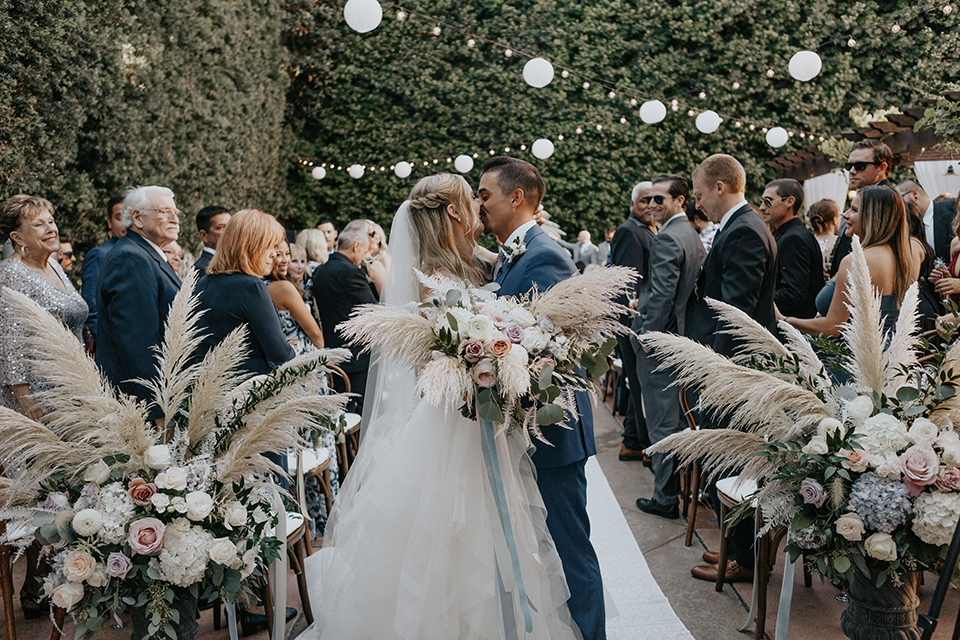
(78, 565)
(160, 502)
(99, 577)
(923, 431)
(97, 473)
(249, 561)
(224, 552)
(87, 522)
(522, 317)
(881, 546)
(949, 441)
(67, 595)
(178, 504)
(260, 516)
(850, 526)
(173, 478)
(817, 445)
(234, 515)
(860, 408)
(479, 327)
(534, 339)
(199, 505)
(831, 426)
(157, 457)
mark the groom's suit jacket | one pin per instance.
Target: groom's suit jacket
(544, 264)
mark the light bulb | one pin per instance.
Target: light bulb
(753, 127)
(633, 102)
(449, 160)
(674, 105)
(623, 120)
(579, 129)
(599, 127)
(506, 149)
(426, 164)
(471, 43)
(736, 85)
(586, 85)
(690, 112)
(851, 42)
(612, 94)
(436, 30)
(896, 27)
(564, 74)
(401, 15)
(738, 124)
(560, 137)
(476, 155)
(508, 52)
(523, 147)
(770, 72)
(948, 8)
(703, 94)
(492, 152)
(764, 130)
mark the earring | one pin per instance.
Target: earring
(24, 250)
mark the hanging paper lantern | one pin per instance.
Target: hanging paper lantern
(538, 72)
(653, 111)
(402, 169)
(708, 122)
(355, 171)
(318, 173)
(463, 164)
(542, 148)
(777, 137)
(363, 15)
(805, 65)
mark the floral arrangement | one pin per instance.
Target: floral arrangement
(864, 474)
(127, 512)
(492, 357)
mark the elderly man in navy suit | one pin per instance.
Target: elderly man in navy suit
(510, 191)
(137, 287)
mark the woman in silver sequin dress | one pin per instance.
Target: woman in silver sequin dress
(31, 270)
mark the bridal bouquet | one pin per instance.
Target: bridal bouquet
(505, 360)
(864, 474)
(124, 511)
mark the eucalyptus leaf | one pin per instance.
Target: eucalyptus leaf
(452, 322)
(490, 411)
(453, 297)
(549, 414)
(841, 564)
(907, 394)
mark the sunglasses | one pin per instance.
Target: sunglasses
(66, 254)
(657, 199)
(859, 166)
(768, 202)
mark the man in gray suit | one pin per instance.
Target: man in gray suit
(585, 253)
(675, 259)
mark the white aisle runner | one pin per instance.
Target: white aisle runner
(643, 609)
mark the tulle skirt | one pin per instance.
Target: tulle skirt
(415, 548)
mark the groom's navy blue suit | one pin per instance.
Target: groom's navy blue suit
(560, 468)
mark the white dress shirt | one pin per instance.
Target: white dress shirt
(520, 232)
(928, 225)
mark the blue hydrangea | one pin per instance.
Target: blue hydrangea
(807, 538)
(882, 503)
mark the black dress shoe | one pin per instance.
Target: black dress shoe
(649, 506)
(250, 623)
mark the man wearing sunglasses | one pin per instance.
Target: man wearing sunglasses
(868, 164)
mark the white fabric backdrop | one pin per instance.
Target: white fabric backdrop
(832, 186)
(930, 176)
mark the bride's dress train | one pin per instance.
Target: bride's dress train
(415, 548)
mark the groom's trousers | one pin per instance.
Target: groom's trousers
(564, 491)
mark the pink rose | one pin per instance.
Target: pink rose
(514, 332)
(146, 536)
(812, 492)
(498, 347)
(856, 460)
(472, 350)
(948, 479)
(920, 465)
(141, 492)
(485, 374)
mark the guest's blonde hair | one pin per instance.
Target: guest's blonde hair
(441, 250)
(314, 243)
(247, 239)
(722, 168)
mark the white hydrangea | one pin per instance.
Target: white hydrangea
(117, 509)
(882, 434)
(186, 550)
(859, 409)
(886, 465)
(935, 516)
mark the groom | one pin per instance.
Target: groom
(510, 192)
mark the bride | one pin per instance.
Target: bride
(414, 548)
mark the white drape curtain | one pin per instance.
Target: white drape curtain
(830, 186)
(931, 178)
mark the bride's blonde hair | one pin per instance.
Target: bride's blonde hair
(442, 250)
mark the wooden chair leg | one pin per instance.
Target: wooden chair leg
(268, 602)
(327, 490)
(724, 544)
(6, 590)
(807, 578)
(763, 579)
(296, 560)
(694, 501)
(59, 617)
(685, 481)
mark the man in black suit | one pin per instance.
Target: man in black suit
(869, 163)
(211, 221)
(339, 285)
(741, 270)
(631, 248)
(800, 270)
(136, 288)
(937, 217)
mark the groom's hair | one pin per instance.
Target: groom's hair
(513, 174)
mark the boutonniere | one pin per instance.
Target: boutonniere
(514, 250)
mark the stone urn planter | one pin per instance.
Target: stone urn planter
(885, 613)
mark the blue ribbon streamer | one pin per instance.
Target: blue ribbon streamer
(500, 497)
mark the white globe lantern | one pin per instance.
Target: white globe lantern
(402, 169)
(653, 111)
(542, 148)
(538, 72)
(777, 137)
(318, 173)
(363, 15)
(463, 164)
(355, 171)
(708, 122)
(805, 65)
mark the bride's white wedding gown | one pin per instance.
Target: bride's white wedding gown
(415, 541)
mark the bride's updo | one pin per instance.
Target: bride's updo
(444, 249)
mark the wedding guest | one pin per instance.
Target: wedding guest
(824, 217)
(604, 247)
(65, 254)
(90, 269)
(931, 303)
(136, 289)
(174, 254)
(339, 286)
(315, 244)
(947, 279)
(28, 222)
(704, 228)
(630, 247)
(584, 252)
(329, 234)
(378, 259)
(800, 261)
(937, 217)
(211, 221)
(298, 265)
(296, 321)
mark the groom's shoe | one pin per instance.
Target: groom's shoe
(735, 573)
(711, 557)
(654, 509)
(630, 454)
